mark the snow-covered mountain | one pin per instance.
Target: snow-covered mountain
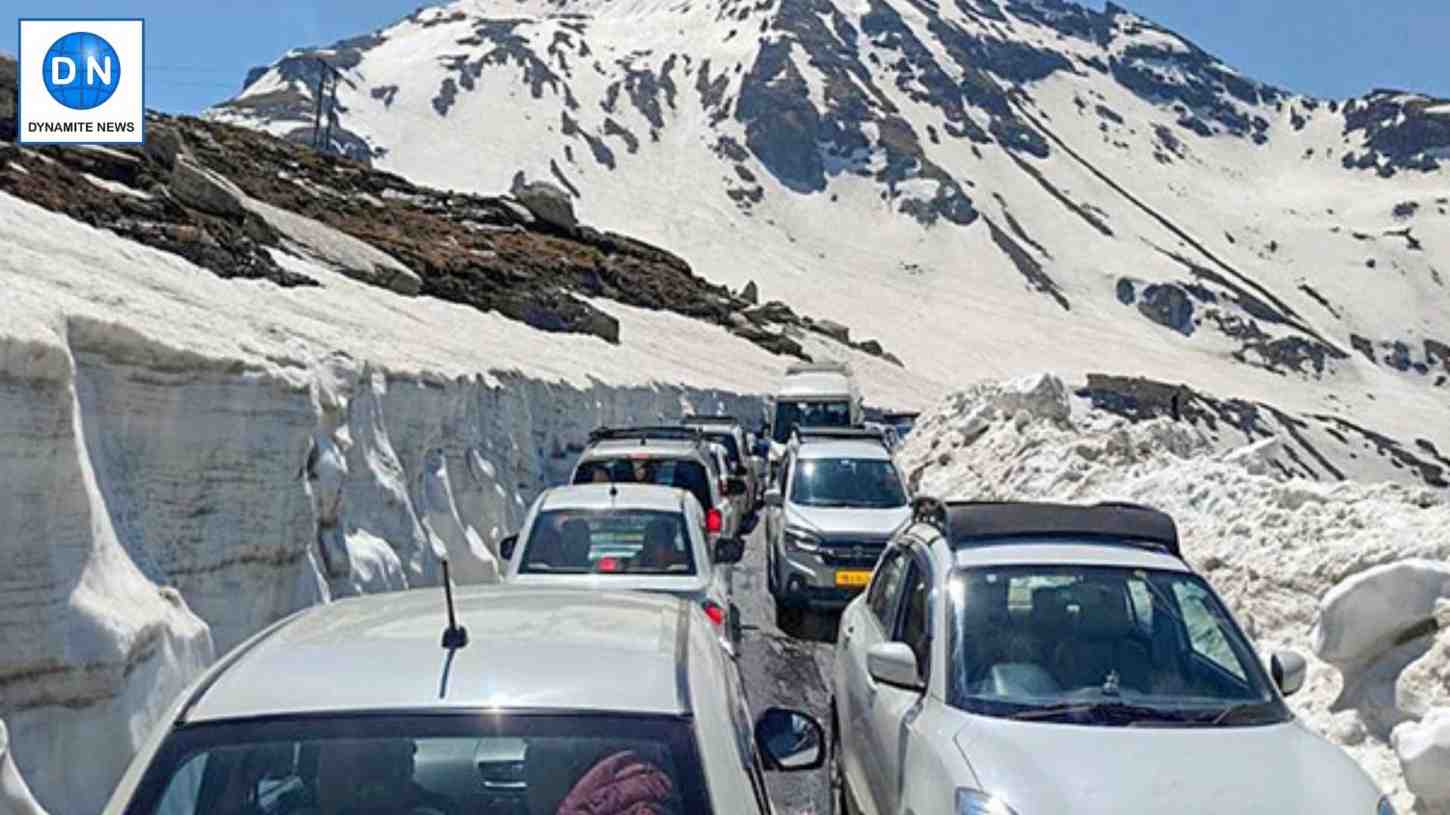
(987, 186)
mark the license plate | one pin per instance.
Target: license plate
(854, 579)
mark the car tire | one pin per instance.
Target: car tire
(840, 800)
(788, 618)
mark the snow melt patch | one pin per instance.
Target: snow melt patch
(1271, 545)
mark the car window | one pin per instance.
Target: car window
(884, 586)
(789, 414)
(1206, 628)
(613, 541)
(846, 482)
(450, 765)
(684, 473)
(914, 615)
(1058, 641)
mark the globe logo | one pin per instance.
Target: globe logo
(81, 70)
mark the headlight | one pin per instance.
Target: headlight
(973, 802)
(802, 539)
(1385, 807)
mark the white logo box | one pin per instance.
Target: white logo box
(119, 120)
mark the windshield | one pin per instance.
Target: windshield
(788, 414)
(1102, 645)
(846, 482)
(686, 474)
(438, 764)
(608, 541)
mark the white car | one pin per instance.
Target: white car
(626, 537)
(1036, 659)
(537, 701)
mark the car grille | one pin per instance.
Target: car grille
(855, 554)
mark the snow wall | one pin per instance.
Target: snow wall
(160, 505)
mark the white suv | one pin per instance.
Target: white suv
(1039, 658)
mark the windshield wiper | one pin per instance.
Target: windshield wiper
(1104, 712)
(1236, 712)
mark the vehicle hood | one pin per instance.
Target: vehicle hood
(1067, 769)
(847, 522)
(684, 585)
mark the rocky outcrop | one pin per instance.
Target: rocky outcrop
(546, 201)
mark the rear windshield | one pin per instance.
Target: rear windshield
(726, 440)
(506, 764)
(613, 541)
(788, 414)
(686, 474)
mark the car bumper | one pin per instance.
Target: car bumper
(807, 581)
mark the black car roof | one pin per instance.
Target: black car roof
(977, 523)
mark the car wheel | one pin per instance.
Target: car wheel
(840, 804)
(788, 618)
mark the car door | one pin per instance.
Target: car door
(864, 624)
(893, 714)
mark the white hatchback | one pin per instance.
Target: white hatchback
(626, 537)
(1032, 658)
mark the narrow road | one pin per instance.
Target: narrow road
(784, 671)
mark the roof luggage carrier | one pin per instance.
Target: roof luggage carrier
(899, 416)
(692, 418)
(816, 433)
(985, 523)
(825, 366)
(644, 434)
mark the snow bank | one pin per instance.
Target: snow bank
(1271, 545)
(1424, 751)
(187, 459)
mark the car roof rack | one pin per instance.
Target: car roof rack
(984, 523)
(645, 433)
(828, 433)
(824, 366)
(897, 416)
(718, 418)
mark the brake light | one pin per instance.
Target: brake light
(608, 564)
(714, 612)
(714, 521)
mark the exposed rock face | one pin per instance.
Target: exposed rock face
(750, 293)
(1168, 305)
(197, 187)
(546, 201)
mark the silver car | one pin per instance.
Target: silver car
(543, 701)
(841, 498)
(618, 537)
(1019, 659)
(728, 432)
(670, 456)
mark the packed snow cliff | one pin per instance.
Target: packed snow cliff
(1355, 575)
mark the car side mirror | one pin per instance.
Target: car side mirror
(894, 663)
(729, 550)
(506, 546)
(790, 741)
(1288, 669)
(735, 485)
(773, 498)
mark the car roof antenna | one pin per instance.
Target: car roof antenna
(455, 636)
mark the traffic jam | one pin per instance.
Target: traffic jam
(985, 658)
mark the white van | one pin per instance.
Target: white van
(814, 394)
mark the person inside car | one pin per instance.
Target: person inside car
(576, 545)
(658, 553)
(622, 784)
(370, 777)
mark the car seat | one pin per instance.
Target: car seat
(1101, 641)
(545, 547)
(658, 551)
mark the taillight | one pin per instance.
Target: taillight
(714, 521)
(714, 612)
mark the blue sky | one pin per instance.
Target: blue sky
(198, 52)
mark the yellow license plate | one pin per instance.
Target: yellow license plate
(853, 579)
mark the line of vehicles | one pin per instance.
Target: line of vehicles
(991, 659)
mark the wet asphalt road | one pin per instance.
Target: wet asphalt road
(781, 670)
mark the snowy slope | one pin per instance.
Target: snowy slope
(986, 186)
